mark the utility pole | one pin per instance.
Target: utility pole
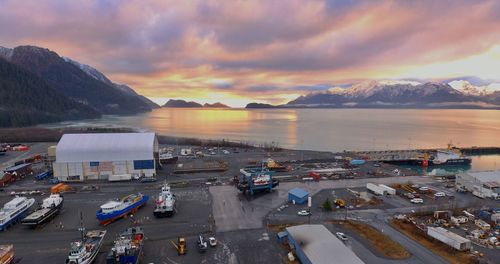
(309, 202)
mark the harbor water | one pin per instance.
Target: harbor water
(323, 129)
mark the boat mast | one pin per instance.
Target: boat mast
(82, 228)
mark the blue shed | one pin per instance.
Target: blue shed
(298, 195)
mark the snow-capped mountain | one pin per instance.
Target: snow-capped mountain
(94, 73)
(467, 88)
(397, 94)
(6, 53)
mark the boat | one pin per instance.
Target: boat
(85, 250)
(50, 207)
(14, 210)
(127, 249)
(449, 157)
(3, 152)
(6, 254)
(165, 204)
(166, 158)
(117, 209)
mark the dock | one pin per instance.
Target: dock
(204, 166)
(415, 154)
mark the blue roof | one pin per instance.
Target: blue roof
(282, 234)
(298, 192)
(14, 168)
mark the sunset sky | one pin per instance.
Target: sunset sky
(264, 51)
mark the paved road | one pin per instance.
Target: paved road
(233, 211)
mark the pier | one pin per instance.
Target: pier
(415, 154)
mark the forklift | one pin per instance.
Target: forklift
(180, 246)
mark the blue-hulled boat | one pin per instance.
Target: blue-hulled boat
(114, 210)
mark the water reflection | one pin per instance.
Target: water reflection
(322, 129)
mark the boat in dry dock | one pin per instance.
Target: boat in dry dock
(6, 254)
(50, 207)
(165, 204)
(117, 209)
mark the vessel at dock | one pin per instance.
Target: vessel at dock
(447, 157)
(166, 158)
(114, 210)
(50, 207)
(165, 204)
(85, 250)
(14, 210)
(127, 248)
(6, 254)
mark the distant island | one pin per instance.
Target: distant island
(260, 105)
(215, 105)
(172, 103)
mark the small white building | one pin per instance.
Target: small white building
(483, 183)
(99, 156)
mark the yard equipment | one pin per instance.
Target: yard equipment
(180, 246)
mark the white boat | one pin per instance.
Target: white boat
(449, 157)
(167, 158)
(165, 204)
(14, 210)
(49, 208)
(85, 251)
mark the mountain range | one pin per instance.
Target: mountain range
(399, 94)
(89, 92)
(172, 103)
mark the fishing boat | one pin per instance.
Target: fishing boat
(85, 250)
(165, 204)
(50, 207)
(166, 158)
(6, 254)
(127, 248)
(117, 209)
(14, 210)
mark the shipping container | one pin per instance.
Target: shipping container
(122, 177)
(375, 189)
(449, 238)
(387, 189)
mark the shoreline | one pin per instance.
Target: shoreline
(41, 134)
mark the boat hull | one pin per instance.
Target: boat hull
(431, 163)
(105, 219)
(165, 213)
(16, 218)
(43, 218)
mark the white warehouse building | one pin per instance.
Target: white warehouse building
(102, 156)
(482, 183)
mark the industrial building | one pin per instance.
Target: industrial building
(103, 156)
(315, 244)
(482, 184)
(297, 196)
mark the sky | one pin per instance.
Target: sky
(264, 51)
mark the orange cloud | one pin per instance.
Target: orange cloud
(266, 51)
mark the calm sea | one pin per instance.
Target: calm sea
(325, 129)
(321, 129)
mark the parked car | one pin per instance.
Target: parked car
(440, 194)
(304, 213)
(410, 195)
(341, 236)
(417, 200)
(212, 241)
(54, 181)
(424, 188)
